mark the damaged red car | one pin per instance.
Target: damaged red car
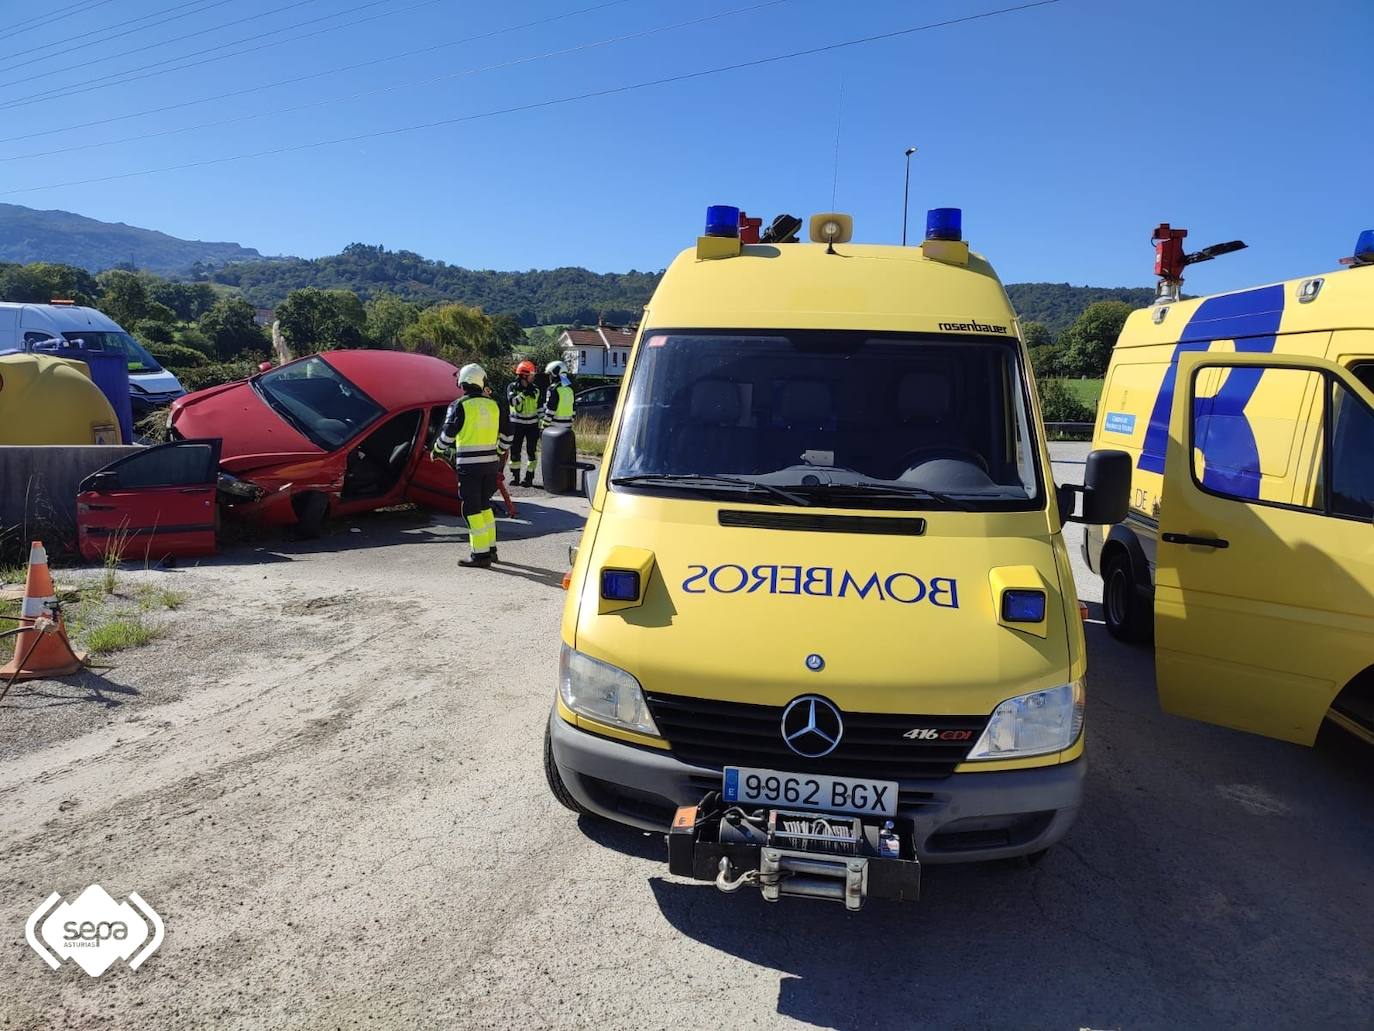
(328, 435)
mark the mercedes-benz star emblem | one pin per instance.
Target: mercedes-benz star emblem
(815, 663)
(811, 726)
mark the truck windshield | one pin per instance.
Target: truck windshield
(138, 359)
(839, 419)
(315, 399)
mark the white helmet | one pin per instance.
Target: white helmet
(554, 368)
(474, 374)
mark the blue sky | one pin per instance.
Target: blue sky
(1065, 132)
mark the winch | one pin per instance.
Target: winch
(838, 856)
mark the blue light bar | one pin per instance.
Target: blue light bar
(620, 584)
(1023, 606)
(722, 220)
(944, 224)
(1364, 247)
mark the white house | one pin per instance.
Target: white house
(600, 351)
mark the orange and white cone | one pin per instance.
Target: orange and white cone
(41, 648)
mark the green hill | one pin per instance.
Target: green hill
(563, 295)
(535, 297)
(27, 235)
(1058, 304)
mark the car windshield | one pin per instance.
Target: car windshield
(840, 419)
(314, 398)
(139, 360)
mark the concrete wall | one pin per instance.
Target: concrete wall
(38, 487)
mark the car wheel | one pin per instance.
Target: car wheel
(556, 786)
(310, 507)
(1125, 612)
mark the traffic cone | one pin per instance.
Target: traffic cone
(41, 647)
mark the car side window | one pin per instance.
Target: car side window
(183, 465)
(436, 423)
(1352, 455)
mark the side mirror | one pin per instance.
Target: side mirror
(590, 478)
(1106, 489)
(264, 366)
(104, 480)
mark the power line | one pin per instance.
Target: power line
(315, 75)
(65, 44)
(29, 24)
(73, 89)
(465, 73)
(540, 104)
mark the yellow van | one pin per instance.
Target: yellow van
(821, 619)
(1248, 551)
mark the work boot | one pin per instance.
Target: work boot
(494, 556)
(477, 560)
(515, 479)
(529, 480)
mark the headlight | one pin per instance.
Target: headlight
(1033, 724)
(603, 692)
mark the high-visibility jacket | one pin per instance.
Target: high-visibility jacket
(472, 429)
(558, 405)
(523, 403)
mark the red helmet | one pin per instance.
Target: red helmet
(525, 368)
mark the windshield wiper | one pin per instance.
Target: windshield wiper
(707, 478)
(887, 490)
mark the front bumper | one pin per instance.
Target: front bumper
(959, 818)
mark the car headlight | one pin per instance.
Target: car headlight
(1033, 724)
(600, 691)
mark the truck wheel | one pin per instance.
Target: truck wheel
(1126, 614)
(556, 785)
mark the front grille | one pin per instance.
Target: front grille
(710, 733)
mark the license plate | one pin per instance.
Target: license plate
(810, 791)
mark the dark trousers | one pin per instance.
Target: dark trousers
(528, 433)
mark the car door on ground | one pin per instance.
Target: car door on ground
(1264, 610)
(153, 504)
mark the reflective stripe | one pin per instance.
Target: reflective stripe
(35, 607)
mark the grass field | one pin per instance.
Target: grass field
(1086, 390)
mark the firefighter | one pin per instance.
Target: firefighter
(522, 402)
(558, 402)
(471, 439)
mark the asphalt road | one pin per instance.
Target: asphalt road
(326, 778)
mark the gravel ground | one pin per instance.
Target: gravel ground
(326, 778)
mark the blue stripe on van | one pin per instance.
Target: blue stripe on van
(1252, 319)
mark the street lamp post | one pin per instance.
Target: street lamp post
(906, 192)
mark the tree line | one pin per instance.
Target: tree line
(205, 331)
(207, 334)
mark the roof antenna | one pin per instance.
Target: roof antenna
(839, 115)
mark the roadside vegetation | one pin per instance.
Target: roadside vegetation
(105, 614)
(591, 435)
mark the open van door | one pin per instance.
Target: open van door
(1264, 596)
(156, 503)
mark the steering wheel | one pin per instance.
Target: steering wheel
(929, 454)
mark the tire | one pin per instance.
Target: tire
(556, 786)
(1124, 610)
(311, 507)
